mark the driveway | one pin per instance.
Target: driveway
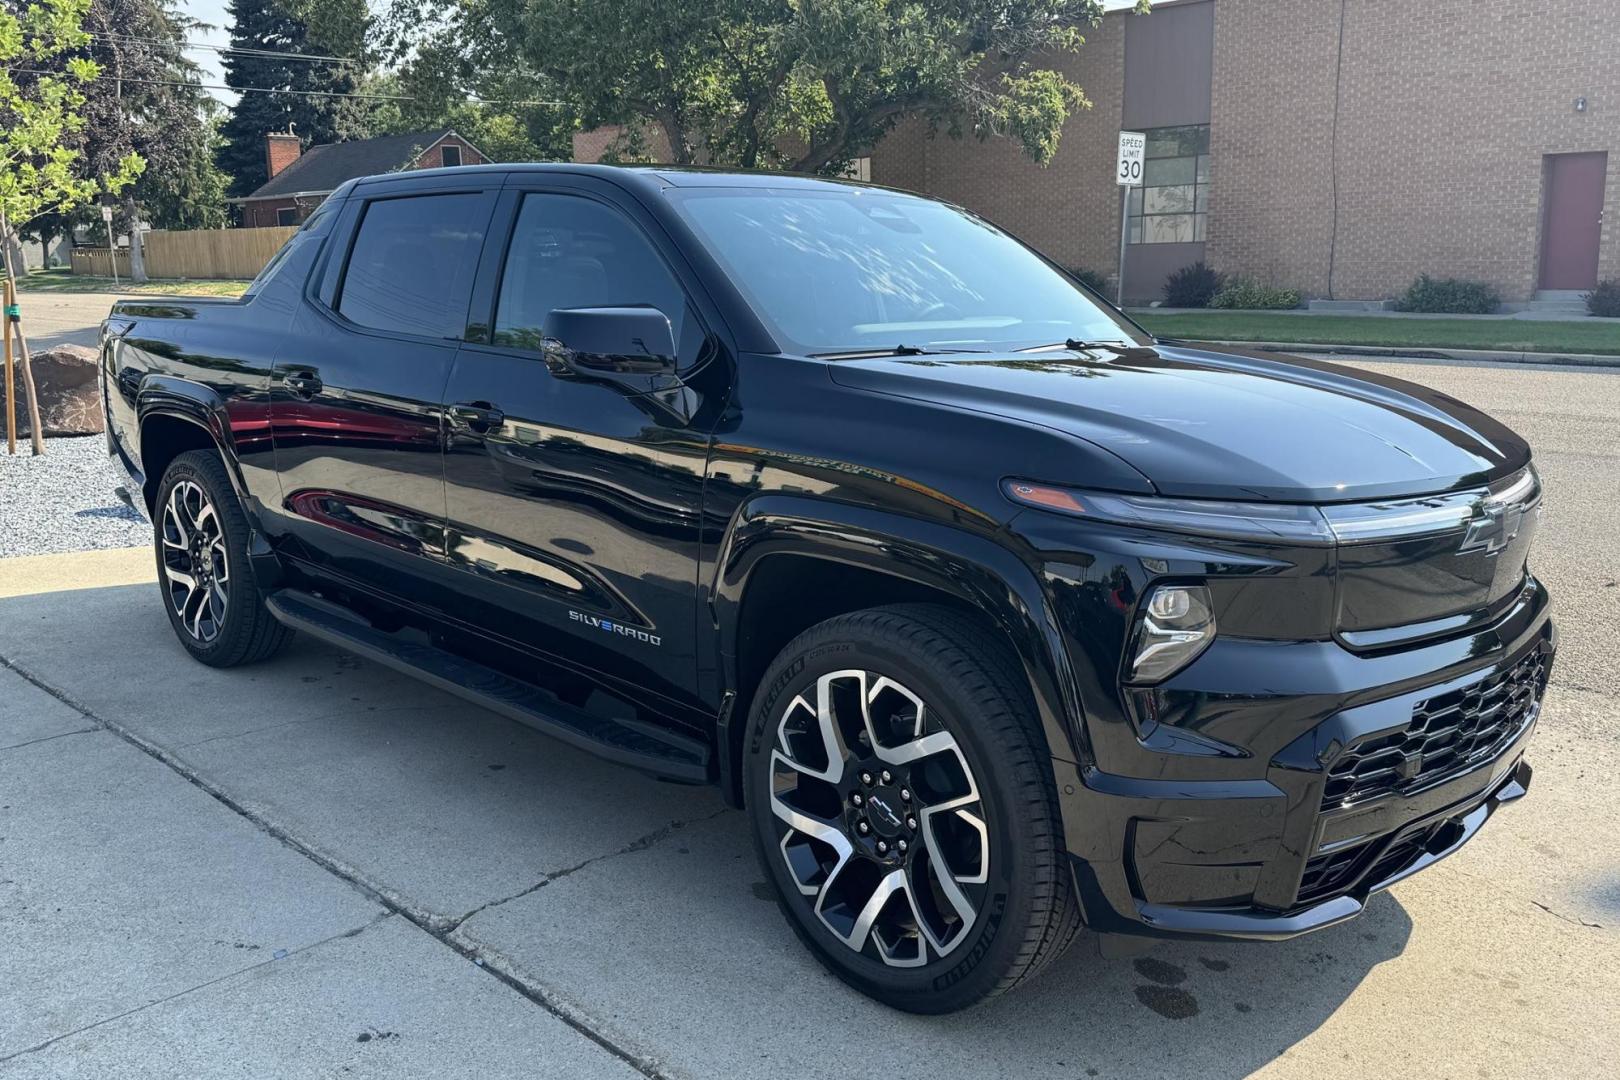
(52, 319)
(317, 867)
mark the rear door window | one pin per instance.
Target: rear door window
(411, 267)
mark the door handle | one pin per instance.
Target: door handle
(480, 416)
(306, 384)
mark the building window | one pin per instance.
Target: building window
(287, 215)
(450, 156)
(1172, 204)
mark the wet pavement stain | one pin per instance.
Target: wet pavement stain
(1168, 1002)
(1160, 972)
(1214, 965)
(762, 890)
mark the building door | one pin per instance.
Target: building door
(1572, 220)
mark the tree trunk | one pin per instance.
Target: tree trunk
(9, 241)
(137, 257)
(12, 253)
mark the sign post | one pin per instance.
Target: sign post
(112, 244)
(1127, 174)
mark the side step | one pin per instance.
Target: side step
(627, 741)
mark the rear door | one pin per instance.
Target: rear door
(574, 505)
(356, 400)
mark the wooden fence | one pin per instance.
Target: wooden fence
(199, 253)
(97, 262)
(213, 253)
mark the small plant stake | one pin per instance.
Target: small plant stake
(11, 390)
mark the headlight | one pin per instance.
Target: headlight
(1177, 622)
(1275, 522)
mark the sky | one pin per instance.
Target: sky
(213, 12)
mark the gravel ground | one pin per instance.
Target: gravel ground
(64, 501)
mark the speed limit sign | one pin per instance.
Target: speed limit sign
(1132, 148)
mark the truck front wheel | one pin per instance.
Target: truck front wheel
(903, 806)
(200, 536)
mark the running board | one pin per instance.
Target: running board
(627, 741)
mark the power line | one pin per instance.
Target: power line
(300, 93)
(275, 54)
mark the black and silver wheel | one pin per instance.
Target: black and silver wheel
(903, 806)
(196, 567)
(207, 582)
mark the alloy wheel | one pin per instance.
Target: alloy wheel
(196, 568)
(879, 817)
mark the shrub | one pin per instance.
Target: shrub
(1090, 279)
(1192, 286)
(1454, 296)
(1605, 299)
(1250, 294)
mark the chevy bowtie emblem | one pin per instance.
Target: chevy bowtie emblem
(1493, 530)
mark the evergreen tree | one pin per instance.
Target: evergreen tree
(331, 28)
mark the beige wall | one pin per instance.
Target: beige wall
(1445, 111)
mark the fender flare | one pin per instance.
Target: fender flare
(194, 403)
(973, 569)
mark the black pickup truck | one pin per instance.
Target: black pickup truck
(997, 616)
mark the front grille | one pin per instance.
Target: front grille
(1447, 733)
(1330, 875)
(1372, 861)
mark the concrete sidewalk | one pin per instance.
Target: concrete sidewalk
(315, 867)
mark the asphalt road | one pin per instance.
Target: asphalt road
(316, 867)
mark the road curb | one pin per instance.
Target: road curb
(1568, 359)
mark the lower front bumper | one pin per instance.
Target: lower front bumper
(1298, 844)
(1424, 842)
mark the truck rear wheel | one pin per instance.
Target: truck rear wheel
(200, 538)
(903, 806)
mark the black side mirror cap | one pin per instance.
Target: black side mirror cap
(620, 344)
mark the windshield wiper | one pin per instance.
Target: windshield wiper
(1122, 350)
(893, 350)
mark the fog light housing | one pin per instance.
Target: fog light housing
(1176, 624)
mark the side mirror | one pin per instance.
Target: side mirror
(630, 345)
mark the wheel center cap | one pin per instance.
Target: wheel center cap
(886, 811)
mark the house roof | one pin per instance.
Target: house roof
(323, 168)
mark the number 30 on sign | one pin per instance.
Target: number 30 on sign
(1132, 148)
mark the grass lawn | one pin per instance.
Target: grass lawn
(1505, 335)
(60, 281)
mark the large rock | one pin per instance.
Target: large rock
(69, 400)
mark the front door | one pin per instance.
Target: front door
(574, 505)
(357, 395)
(1572, 220)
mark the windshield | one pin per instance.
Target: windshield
(850, 269)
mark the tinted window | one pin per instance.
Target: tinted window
(857, 268)
(570, 252)
(412, 264)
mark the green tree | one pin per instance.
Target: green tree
(802, 84)
(149, 102)
(43, 79)
(501, 108)
(308, 94)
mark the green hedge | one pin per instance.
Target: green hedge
(1451, 296)
(1605, 299)
(1249, 295)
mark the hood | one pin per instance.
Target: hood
(1223, 424)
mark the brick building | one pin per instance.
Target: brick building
(1340, 148)
(301, 179)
